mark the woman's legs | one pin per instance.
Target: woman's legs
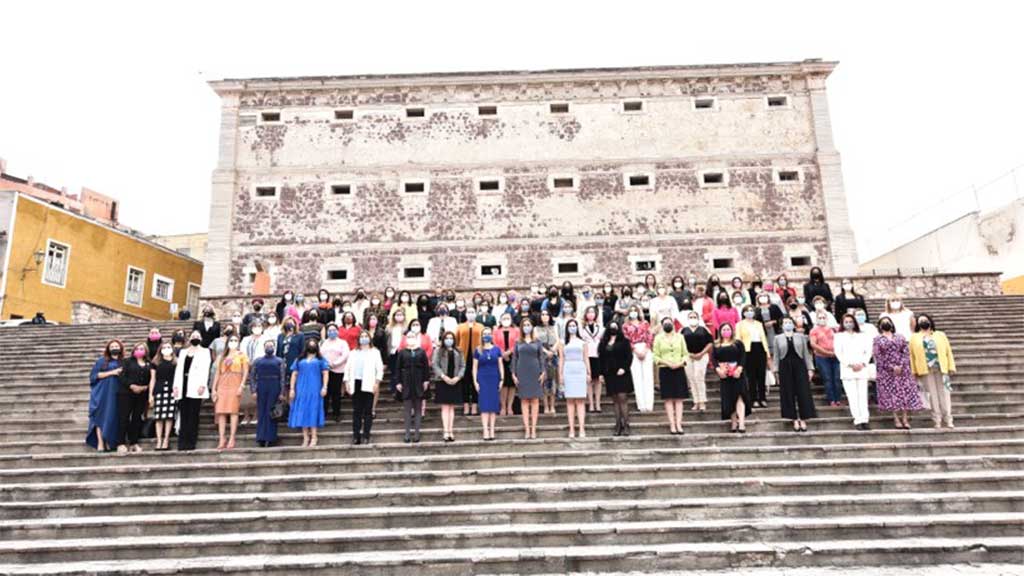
(623, 403)
(741, 414)
(678, 407)
(581, 416)
(534, 404)
(221, 425)
(234, 430)
(312, 437)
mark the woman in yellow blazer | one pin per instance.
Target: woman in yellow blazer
(751, 333)
(931, 361)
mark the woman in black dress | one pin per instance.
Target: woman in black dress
(615, 354)
(449, 368)
(136, 380)
(848, 299)
(728, 356)
(794, 367)
(161, 395)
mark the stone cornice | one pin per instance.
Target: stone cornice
(527, 85)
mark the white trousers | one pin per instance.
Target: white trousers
(857, 395)
(643, 378)
(696, 372)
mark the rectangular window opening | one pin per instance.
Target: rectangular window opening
(346, 114)
(640, 180)
(487, 110)
(266, 191)
(415, 112)
(331, 275)
(714, 178)
(133, 287)
(162, 288)
(564, 182)
(568, 267)
(341, 189)
(777, 101)
(704, 103)
(633, 106)
(270, 116)
(721, 263)
(645, 265)
(789, 176)
(797, 261)
(414, 272)
(252, 278)
(489, 185)
(490, 270)
(559, 108)
(415, 187)
(56, 269)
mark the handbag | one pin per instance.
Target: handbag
(279, 412)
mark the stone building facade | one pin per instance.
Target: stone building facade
(509, 178)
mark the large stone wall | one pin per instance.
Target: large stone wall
(527, 226)
(90, 313)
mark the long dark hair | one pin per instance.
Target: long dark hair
(856, 325)
(927, 317)
(603, 345)
(106, 350)
(567, 324)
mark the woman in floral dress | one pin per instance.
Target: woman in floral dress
(897, 389)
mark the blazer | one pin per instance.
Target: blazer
(371, 369)
(198, 375)
(210, 335)
(855, 348)
(918, 361)
(413, 371)
(464, 343)
(780, 346)
(440, 364)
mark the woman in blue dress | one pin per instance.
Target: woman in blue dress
(104, 381)
(488, 375)
(308, 389)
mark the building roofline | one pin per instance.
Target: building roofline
(808, 66)
(129, 233)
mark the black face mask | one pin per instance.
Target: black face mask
(668, 327)
(115, 353)
(311, 349)
(195, 341)
(885, 327)
(208, 314)
(258, 307)
(924, 325)
(792, 306)
(613, 330)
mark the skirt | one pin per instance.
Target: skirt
(673, 384)
(164, 405)
(733, 389)
(449, 394)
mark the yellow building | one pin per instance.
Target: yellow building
(75, 269)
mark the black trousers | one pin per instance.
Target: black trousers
(188, 431)
(332, 402)
(362, 412)
(756, 368)
(131, 410)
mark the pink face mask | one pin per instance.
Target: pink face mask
(154, 337)
(140, 354)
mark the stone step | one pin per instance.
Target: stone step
(496, 560)
(576, 511)
(326, 477)
(758, 531)
(282, 462)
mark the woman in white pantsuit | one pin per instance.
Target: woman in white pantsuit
(853, 350)
(638, 332)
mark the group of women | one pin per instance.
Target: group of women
(496, 354)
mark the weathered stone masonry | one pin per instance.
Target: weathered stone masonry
(779, 197)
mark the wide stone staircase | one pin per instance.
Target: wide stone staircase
(651, 502)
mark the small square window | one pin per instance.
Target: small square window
(568, 267)
(704, 103)
(489, 185)
(163, 288)
(491, 270)
(55, 272)
(633, 106)
(252, 277)
(639, 181)
(778, 101)
(567, 182)
(415, 187)
(345, 114)
(713, 178)
(721, 263)
(270, 116)
(799, 261)
(337, 275)
(645, 266)
(559, 108)
(487, 110)
(414, 272)
(266, 191)
(415, 112)
(341, 189)
(789, 176)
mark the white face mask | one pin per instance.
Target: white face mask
(470, 317)
(693, 322)
(819, 305)
(257, 331)
(414, 329)
(506, 322)
(167, 351)
(232, 344)
(896, 304)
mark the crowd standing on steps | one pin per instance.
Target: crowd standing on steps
(499, 354)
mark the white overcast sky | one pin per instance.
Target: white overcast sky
(927, 101)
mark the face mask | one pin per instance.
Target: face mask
(693, 322)
(195, 341)
(115, 352)
(448, 342)
(782, 283)
(591, 316)
(763, 301)
(788, 328)
(287, 297)
(346, 308)
(364, 341)
(662, 292)
(723, 301)
(668, 327)
(373, 322)
(861, 318)
(154, 337)
(677, 285)
(399, 319)
(633, 315)
(567, 311)
(311, 349)
(599, 301)
(820, 321)
(257, 331)
(323, 297)
(848, 326)
(607, 289)
(736, 283)
(800, 300)
(389, 294)
(586, 293)
(487, 339)
(460, 304)
(819, 305)
(375, 302)
(470, 317)
(405, 299)
(139, 354)
(749, 314)
(442, 313)
(415, 329)
(613, 329)
(885, 327)
(272, 320)
(503, 299)
(332, 333)
(645, 304)
(167, 351)
(924, 325)
(726, 334)
(483, 309)
(527, 329)
(506, 322)
(233, 345)
(847, 286)
(571, 329)
(257, 307)
(208, 314)
(895, 304)
(693, 281)
(737, 301)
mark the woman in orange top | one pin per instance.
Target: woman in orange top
(232, 372)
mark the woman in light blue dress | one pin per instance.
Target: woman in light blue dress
(308, 389)
(575, 373)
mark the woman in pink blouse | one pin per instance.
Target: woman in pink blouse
(724, 313)
(638, 332)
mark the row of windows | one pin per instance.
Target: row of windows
(568, 267)
(58, 260)
(773, 102)
(568, 182)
